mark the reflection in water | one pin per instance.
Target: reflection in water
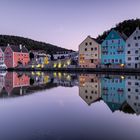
(120, 93)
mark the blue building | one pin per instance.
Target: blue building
(113, 50)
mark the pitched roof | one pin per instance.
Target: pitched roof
(122, 35)
(3, 48)
(94, 39)
(19, 48)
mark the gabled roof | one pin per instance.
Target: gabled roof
(116, 35)
(95, 40)
(122, 35)
(3, 48)
(22, 49)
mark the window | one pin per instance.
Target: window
(138, 37)
(136, 44)
(91, 49)
(120, 61)
(136, 83)
(135, 38)
(95, 54)
(92, 61)
(129, 58)
(129, 45)
(137, 90)
(86, 43)
(95, 49)
(90, 43)
(136, 52)
(128, 52)
(85, 49)
(136, 58)
(129, 89)
(86, 91)
(116, 60)
(129, 83)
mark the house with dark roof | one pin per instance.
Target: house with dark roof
(113, 50)
(16, 56)
(89, 53)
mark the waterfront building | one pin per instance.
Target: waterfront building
(113, 91)
(113, 50)
(89, 53)
(16, 56)
(133, 50)
(89, 88)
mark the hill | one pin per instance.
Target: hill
(30, 44)
(127, 27)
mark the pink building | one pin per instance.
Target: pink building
(16, 56)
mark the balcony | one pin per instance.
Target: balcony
(120, 91)
(105, 89)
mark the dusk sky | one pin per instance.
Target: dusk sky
(63, 22)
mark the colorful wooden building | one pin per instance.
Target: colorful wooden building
(113, 50)
(89, 53)
(133, 50)
(16, 56)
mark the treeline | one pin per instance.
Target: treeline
(127, 27)
(30, 44)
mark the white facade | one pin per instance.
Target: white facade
(132, 52)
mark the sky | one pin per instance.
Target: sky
(65, 23)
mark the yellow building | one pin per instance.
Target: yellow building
(89, 53)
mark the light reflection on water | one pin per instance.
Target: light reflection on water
(69, 106)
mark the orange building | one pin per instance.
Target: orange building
(16, 56)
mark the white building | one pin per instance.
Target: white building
(132, 52)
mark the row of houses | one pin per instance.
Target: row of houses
(116, 51)
(13, 56)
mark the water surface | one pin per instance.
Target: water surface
(60, 106)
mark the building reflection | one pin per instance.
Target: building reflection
(119, 93)
(133, 93)
(113, 91)
(89, 88)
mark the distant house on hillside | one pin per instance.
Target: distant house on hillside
(16, 56)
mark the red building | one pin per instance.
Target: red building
(16, 56)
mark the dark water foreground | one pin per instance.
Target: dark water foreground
(62, 106)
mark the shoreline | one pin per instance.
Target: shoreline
(80, 70)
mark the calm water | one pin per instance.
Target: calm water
(61, 106)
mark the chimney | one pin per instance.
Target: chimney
(20, 46)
